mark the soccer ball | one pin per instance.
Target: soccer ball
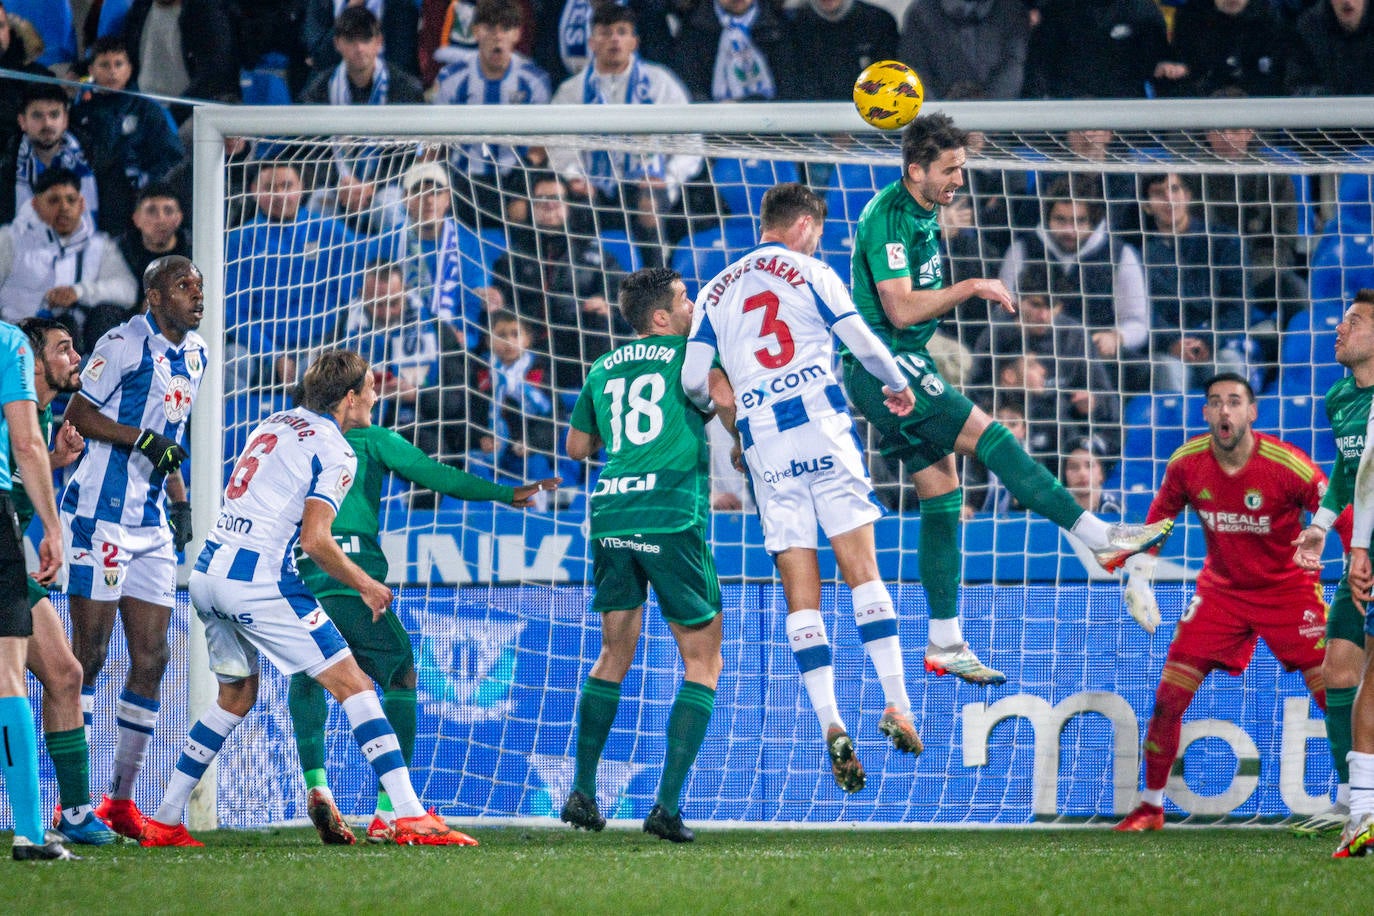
(888, 94)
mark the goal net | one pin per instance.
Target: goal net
(380, 230)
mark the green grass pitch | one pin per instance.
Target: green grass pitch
(537, 871)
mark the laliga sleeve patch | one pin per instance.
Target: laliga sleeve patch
(95, 368)
(896, 256)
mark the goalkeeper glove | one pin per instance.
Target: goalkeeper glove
(179, 517)
(1140, 597)
(164, 453)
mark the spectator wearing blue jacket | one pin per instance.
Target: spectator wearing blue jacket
(129, 138)
(288, 271)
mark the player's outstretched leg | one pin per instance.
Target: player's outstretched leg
(876, 620)
(1178, 682)
(309, 711)
(687, 723)
(1038, 490)
(596, 708)
(811, 649)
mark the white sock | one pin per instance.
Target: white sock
(379, 745)
(811, 649)
(202, 744)
(945, 632)
(1361, 785)
(1343, 794)
(877, 622)
(1091, 530)
(87, 710)
(135, 716)
(1153, 797)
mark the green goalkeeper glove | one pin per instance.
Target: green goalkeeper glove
(164, 453)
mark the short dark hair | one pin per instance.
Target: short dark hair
(644, 292)
(108, 44)
(1082, 188)
(53, 177)
(155, 190)
(330, 378)
(925, 138)
(356, 23)
(1365, 295)
(1149, 181)
(608, 12)
(499, 14)
(42, 92)
(1230, 377)
(160, 270)
(36, 329)
(785, 203)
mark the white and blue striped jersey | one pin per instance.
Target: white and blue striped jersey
(463, 83)
(770, 316)
(292, 456)
(137, 377)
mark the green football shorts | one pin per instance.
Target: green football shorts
(1343, 619)
(678, 565)
(928, 433)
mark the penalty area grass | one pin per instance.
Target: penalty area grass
(538, 870)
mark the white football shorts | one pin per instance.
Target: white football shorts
(811, 474)
(108, 561)
(282, 620)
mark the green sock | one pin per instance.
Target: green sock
(595, 714)
(687, 723)
(305, 701)
(1025, 478)
(71, 761)
(384, 803)
(939, 558)
(1339, 702)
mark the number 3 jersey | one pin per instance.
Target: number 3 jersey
(292, 456)
(137, 377)
(656, 479)
(770, 316)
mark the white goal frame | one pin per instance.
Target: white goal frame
(212, 123)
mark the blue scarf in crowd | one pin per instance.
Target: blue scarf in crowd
(601, 170)
(741, 70)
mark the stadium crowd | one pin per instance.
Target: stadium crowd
(481, 280)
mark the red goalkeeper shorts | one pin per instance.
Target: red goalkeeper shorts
(1222, 627)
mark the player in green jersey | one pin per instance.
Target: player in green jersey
(379, 640)
(900, 290)
(57, 370)
(1347, 410)
(648, 526)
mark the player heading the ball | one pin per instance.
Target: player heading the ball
(286, 486)
(770, 315)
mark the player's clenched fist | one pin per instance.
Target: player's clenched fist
(376, 596)
(164, 453)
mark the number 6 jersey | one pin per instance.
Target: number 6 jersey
(656, 478)
(292, 456)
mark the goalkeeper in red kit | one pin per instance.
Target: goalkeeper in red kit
(1250, 490)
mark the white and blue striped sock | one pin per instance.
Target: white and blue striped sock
(379, 745)
(135, 717)
(1361, 785)
(811, 649)
(877, 622)
(87, 710)
(202, 744)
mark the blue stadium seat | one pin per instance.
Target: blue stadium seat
(1342, 264)
(1307, 352)
(1355, 203)
(1302, 421)
(1154, 427)
(617, 242)
(702, 255)
(1268, 418)
(853, 185)
(837, 247)
(741, 183)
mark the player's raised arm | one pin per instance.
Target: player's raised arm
(905, 305)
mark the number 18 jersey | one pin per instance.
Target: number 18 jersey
(656, 479)
(292, 456)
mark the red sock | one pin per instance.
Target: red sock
(1177, 684)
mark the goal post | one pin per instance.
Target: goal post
(496, 599)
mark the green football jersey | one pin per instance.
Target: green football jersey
(356, 527)
(896, 237)
(23, 506)
(657, 477)
(1347, 410)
